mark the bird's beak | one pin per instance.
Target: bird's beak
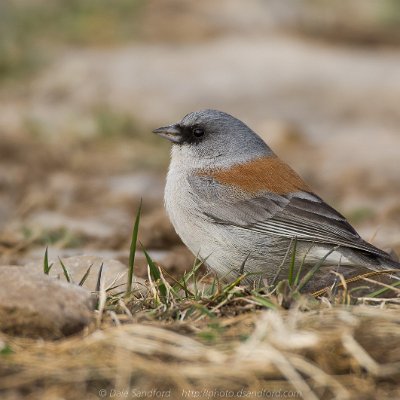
(170, 132)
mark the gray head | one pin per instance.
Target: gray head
(211, 138)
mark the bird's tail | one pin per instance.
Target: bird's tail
(385, 266)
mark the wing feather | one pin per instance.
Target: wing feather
(302, 215)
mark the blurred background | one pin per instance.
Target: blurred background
(83, 83)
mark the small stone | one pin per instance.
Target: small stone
(38, 306)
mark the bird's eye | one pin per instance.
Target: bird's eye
(198, 131)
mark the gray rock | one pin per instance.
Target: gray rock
(114, 273)
(36, 305)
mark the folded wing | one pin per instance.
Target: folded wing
(301, 214)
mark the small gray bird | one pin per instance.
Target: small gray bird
(239, 208)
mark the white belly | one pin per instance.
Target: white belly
(182, 209)
(203, 238)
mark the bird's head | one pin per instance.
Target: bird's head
(217, 138)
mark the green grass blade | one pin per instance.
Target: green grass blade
(99, 276)
(243, 265)
(228, 288)
(65, 270)
(355, 289)
(177, 285)
(292, 262)
(262, 301)
(314, 269)
(186, 289)
(155, 275)
(84, 277)
(194, 280)
(279, 269)
(132, 251)
(383, 290)
(212, 289)
(297, 278)
(182, 283)
(46, 266)
(203, 310)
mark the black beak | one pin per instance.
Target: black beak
(170, 132)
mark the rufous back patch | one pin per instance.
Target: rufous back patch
(262, 174)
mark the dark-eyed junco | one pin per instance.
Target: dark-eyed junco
(237, 206)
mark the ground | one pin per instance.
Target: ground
(77, 156)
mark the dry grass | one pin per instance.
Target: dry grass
(199, 338)
(327, 353)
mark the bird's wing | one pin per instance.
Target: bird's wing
(300, 215)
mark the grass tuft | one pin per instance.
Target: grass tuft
(309, 275)
(156, 275)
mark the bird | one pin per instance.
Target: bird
(244, 212)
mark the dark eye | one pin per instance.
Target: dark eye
(198, 131)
